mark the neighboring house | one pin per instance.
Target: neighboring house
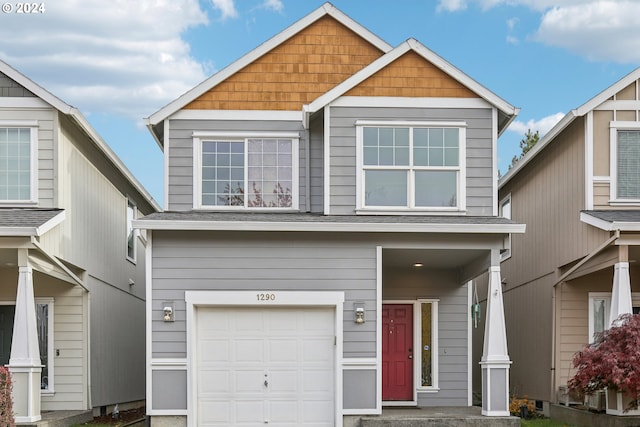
(574, 271)
(72, 298)
(328, 200)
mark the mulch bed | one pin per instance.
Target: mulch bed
(124, 417)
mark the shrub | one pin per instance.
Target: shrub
(612, 360)
(6, 406)
(516, 405)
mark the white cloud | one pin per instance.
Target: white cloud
(451, 5)
(226, 7)
(543, 125)
(275, 5)
(109, 56)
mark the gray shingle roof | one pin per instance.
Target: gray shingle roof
(25, 221)
(616, 215)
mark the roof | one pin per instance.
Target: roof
(77, 117)
(611, 220)
(258, 221)
(568, 119)
(29, 221)
(509, 111)
(208, 84)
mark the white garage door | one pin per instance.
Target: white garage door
(258, 366)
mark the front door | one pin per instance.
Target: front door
(397, 352)
(7, 313)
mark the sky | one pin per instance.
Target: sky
(120, 61)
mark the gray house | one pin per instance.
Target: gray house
(328, 200)
(71, 264)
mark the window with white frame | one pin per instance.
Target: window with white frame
(411, 166)
(505, 212)
(44, 322)
(428, 342)
(256, 172)
(628, 165)
(599, 306)
(131, 232)
(18, 162)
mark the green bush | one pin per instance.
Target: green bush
(6, 405)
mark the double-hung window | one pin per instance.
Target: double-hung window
(18, 158)
(505, 212)
(625, 162)
(411, 165)
(131, 232)
(256, 172)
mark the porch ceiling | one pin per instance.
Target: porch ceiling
(430, 258)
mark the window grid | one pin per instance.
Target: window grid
(628, 164)
(15, 164)
(411, 166)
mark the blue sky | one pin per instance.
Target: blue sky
(119, 61)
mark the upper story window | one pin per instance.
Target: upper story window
(246, 173)
(18, 165)
(411, 166)
(628, 165)
(131, 232)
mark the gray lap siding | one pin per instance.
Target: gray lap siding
(184, 261)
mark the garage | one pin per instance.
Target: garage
(264, 365)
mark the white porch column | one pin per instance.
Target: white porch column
(621, 292)
(24, 362)
(495, 360)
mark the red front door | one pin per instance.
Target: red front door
(397, 352)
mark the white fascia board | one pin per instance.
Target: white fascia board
(267, 115)
(18, 231)
(603, 96)
(35, 88)
(325, 9)
(546, 139)
(329, 227)
(393, 102)
(115, 160)
(53, 222)
(609, 225)
(22, 102)
(419, 48)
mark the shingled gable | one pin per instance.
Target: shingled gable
(420, 83)
(250, 62)
(590, 105)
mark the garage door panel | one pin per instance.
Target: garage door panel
(292, 349)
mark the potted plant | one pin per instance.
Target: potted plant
(612, 362)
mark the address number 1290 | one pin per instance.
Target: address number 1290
(266, 297)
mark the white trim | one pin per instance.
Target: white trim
(618, 104)
(412, 123)
(165, 152)
(327, 161)
(149, 321)
(18, 123)
(34, 231)
(34, 88)
(614, 128)
(606, 296)
(609, 92)
(390, 56)
(381, 227)
(169, 363)
(130, 204)
(359, 363)
(22, 102)
(609, 225)
(507, 243)
(494, 161)
(469, 345)
(325, 9)
(244, 135)
(32, 125)
(378, 329)
(263, 115)
(407, 102)
(195, 299)
(604, 179)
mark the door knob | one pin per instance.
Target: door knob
(266, 383)
(411, 356)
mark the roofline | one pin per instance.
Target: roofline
(206, 85)
(80, 120)
(33, 231)
(546, 139)
(426, 53)
(590, 105)
(609, 225)
(328, 227)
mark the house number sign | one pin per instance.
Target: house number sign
(266, 297)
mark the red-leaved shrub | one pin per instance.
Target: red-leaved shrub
(6, 406)
(612, 361)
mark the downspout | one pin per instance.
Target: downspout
(584, 260)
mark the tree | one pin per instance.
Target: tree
(530, 139)
(612, 361)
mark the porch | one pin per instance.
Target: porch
(436, 416)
